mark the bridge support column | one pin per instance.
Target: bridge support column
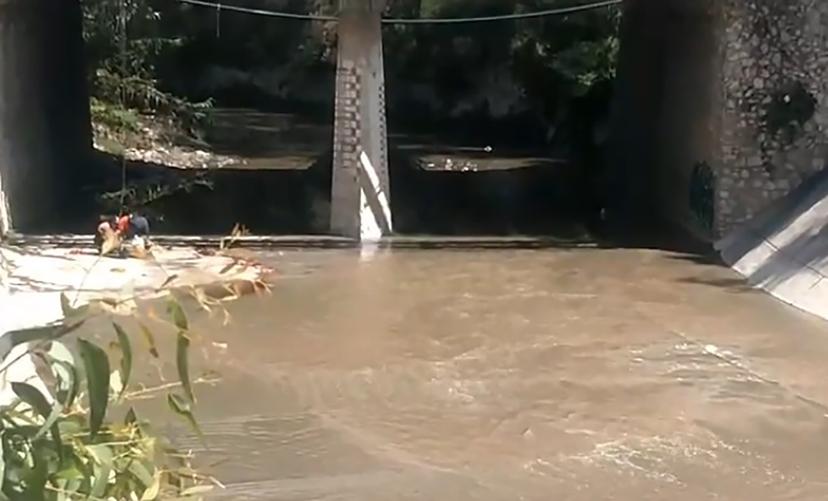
(45, 132)
(360, 197)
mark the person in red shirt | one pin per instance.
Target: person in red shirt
(133, 229)
(122, 226)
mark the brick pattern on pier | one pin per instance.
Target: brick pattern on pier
(347, 119)
(360, 205)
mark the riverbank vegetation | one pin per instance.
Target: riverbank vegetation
(61, 439)
(173, 62)
(70, 422)
(122, 48)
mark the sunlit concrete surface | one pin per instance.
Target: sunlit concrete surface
(784, 250)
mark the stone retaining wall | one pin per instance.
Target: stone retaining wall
(775, 98)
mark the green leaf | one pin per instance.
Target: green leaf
(177, 313)
(33, 397)
(229, 266)
(69, 473)
(40, 404)
(21, 336)
(183, 408)
(72, 424)
(51, 423)
(65, 369)
(168, 281)
(109, 301)
(2, 465)
(60, 352)
(140, 472)
(47, 333)
(65, 304)
(182, 358)
(68, 310)
(150, 340)
(131, 418)
(102, 468)
(96, 364)
(36, 477)
(126, 357)
(72, 487)
(154, 489)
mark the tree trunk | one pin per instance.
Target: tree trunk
(45, 132)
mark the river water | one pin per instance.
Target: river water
(568, 374)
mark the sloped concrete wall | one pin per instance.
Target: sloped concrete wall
(783, 250)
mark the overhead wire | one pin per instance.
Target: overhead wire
(559, 11)
(258, 12)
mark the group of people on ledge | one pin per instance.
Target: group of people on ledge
(123, 235)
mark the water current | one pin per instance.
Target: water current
(556, 374)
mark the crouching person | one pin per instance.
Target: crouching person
(135, 231)
(107, 239)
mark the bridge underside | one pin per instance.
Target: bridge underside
(721, 107)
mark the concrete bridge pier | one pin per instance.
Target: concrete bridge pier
(360, 196)
(45, 133)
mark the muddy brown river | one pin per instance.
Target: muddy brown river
(556, 374)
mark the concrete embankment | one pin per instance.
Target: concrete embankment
(784, 250)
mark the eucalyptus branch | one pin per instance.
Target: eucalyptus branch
(150, 392)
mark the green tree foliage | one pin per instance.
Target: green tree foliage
(61, 440)
(125, 41)
(557, 63)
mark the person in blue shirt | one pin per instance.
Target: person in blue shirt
(134, 229)
(139, 226)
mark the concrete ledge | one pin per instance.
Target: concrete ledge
(199, 241)
(314, 241)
